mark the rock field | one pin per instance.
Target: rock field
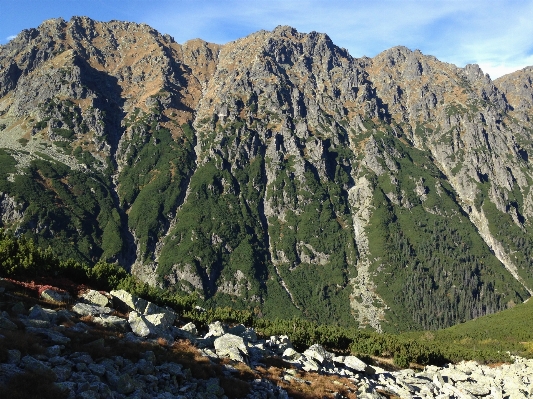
(91, 376)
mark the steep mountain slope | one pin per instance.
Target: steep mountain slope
(275, 172)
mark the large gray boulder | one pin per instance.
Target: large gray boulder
(140, 326)
(37, 313)
(131, 302)
(95, 298)
(232, 346)
(7, 324)
(318, 353)
(354, 363)
(216, 329)
(150, 326)
(190, 328)
(113, 322)
(36, 366)
(85, 309)
(54, 337)
(55, 296)
(123, 299)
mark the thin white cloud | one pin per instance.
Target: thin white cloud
(11, 37)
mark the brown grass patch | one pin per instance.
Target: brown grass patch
(309, 385)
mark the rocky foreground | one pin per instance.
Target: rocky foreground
(253, 367)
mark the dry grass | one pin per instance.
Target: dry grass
(305, 385)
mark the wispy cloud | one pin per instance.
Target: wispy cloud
(11, 37)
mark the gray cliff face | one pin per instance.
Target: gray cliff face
(275, 171)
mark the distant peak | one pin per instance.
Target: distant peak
(284, 30)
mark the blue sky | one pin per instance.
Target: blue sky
(497, 35)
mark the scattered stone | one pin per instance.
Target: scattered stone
(123, 299)
(83, 377)
(18, 308)
(85, 309)
(36, 366)
(139, 325)
(318, 353)
(355, 363)
(216, 329)
(113, 322)
(95, 298)
(191, 329)
(7, 324)
(55, 296)
(37, 313)
(232, 346)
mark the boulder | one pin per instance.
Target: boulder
(85, 309)
(7, 324)
(123, 299)
(139, 325)
(160, 320)
(8, 371)
(291, 354)
(123, 384)
(474, 389)
(216, 329)
(36, 366)
(455, 375)
(55, 296)
(309, 365)
(278, 343)
(354, 363)
(239, 330)
(190, 328)
(35, 323)
(318, 353)
(113, 322)
(18, 308)
(95, 298)
(249, 335)
(37, 313)
(53, 336)
(232, 346)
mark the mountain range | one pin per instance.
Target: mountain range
(275, 172)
